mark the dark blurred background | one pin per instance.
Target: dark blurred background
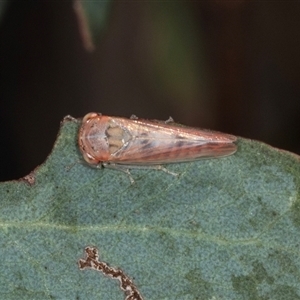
(232, 66)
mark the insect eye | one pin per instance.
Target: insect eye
(88, 117)
(89, 158)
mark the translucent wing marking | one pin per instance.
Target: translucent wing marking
(157, 142)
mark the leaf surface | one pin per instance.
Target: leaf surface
(223, 229)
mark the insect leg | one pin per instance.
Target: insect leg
(125, 169)
(133, 117)
(117, 167)
(161, 168)
(170, 120)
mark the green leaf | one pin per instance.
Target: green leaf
(223, 229)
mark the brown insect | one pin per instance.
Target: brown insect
(122, 143)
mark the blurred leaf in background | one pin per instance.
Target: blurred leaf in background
(3, 5)
(176, 65)
(92, 18)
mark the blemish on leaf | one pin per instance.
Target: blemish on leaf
(249, 284)
(197, 287)
(30, 178)
(126, 284)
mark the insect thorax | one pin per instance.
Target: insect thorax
(117, 137)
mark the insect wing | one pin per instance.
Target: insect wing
(157, 143)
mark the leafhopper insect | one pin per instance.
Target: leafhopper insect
(123, 144)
